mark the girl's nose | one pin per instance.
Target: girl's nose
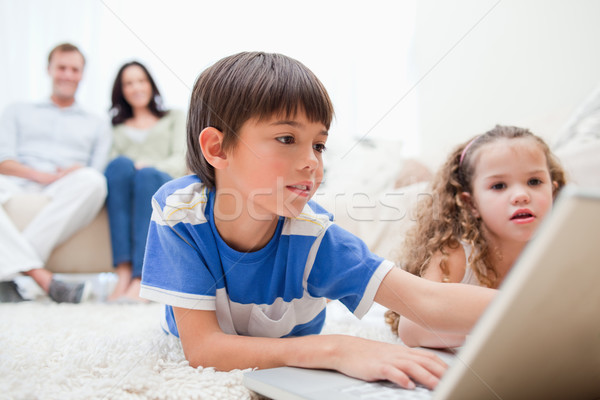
(520, 196)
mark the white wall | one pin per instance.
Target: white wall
(428, 73)
(358, 50)
(526, 63)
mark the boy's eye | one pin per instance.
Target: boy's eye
(286, 139)
(498, 186)
(320, 147)
(534, 182)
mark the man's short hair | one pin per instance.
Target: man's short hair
(65, 47)
(245, 86)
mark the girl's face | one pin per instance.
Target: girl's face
(512, 189)
(137, 89)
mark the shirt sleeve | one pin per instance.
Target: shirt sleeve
(175, 272)
(101, 149)
(346, 270)
(174, 165)
(8, 134)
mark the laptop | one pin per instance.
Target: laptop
(539, 339)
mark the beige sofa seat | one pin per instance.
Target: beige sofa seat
(87, 251)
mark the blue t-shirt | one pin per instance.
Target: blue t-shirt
(277, 291)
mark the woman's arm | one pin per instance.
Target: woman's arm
(204, 343)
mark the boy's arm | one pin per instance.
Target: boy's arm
(447, 307)
(204, 343)
(413, 334)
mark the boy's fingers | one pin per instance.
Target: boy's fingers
(421, 365)
(398, 376)
(434, 365)
(431, 356)
(417, 373)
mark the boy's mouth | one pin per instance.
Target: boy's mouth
(300, 189)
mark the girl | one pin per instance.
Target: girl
(487, 200)
(148, 150)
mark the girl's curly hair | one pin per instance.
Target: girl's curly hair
(444, 220)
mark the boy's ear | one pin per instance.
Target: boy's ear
(211, 143)
(468, 200)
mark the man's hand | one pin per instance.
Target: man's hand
(46, 178)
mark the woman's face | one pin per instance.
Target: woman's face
(137, 89)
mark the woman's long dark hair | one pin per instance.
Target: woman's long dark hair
(120, 109)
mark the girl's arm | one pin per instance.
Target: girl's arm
(204, 343)
(451, 308)
(413, 334)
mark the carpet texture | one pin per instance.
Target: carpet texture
(102, 351)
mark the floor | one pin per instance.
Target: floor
(102, 284)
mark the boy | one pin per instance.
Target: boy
(245, 262)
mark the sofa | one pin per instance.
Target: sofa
(88, 251)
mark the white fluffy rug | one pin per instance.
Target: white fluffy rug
(102, 351)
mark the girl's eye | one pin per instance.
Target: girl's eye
(534, 182)
(286, 139)
(498, 186)
(319, 147)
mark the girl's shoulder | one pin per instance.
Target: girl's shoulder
(453, 268)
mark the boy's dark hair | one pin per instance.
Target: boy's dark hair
(245, 86)
(120, 109)
(64, 48)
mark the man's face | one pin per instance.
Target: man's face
(66, 70)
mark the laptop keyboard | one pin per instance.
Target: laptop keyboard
(386, 390)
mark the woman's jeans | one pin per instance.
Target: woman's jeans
(129, 209)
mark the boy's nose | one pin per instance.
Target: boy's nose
(310, 160)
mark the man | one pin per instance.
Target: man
(57, 149)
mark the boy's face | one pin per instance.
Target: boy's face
(275, 167)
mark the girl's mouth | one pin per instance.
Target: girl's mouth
(522, 216)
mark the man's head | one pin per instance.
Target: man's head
(250, 86)
(65, 67)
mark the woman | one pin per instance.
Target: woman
(148, 150)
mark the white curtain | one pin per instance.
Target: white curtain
(361, 51)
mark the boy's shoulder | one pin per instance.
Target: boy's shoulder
(184, 184)
(312, 221)
(181, 195)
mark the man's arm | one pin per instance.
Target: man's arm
(204, 343)
(102, 146)
(15, 168)
(446, 307)
(9, 137)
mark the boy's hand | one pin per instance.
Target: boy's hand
(370, 361)
(205, 344)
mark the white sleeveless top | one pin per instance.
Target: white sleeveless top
(470, 277)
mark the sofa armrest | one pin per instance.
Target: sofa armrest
(87, 251)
